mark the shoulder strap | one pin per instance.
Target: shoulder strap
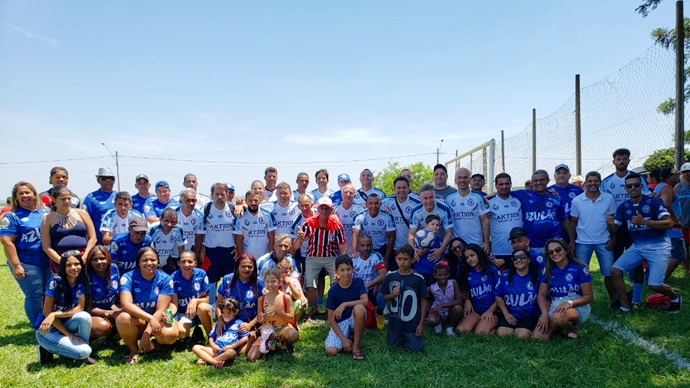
(207, 210)
(401, 212)
(362, 194)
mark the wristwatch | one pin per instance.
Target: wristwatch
(570, 302)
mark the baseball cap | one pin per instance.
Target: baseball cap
(162, 183)
(479, 175)
(325, 201)
(105, 171)
(343, 177)
(517, 232)
(442, 167)
(685, 167)
(230, 186)
(560, 166)
(138, 224)
(141, 176)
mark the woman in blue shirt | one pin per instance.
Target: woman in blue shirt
(145, 294)
(63, 327)
(104, 283)
(516, 296)
(20, 234)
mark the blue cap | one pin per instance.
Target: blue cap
(560, 166)
(162, 183)
(343, 177)
(230, 186)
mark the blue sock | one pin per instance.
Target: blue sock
(212, 294)
(319, 301)
(637, 293)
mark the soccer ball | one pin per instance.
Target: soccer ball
(424, 238)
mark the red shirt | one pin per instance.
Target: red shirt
(324, 242)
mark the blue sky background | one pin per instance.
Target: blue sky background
(297, 85)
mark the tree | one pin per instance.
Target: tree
(666, 38)
(421, 174)
(664, 158)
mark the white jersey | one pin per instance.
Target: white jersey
(316, 194)
(296, 195)
(201, 200)
(375, 227)
(166, 245)
(400, 221)
(347, 218)
(419, 214)
(191, 226)
(114, 224)
(615, 186)
(361, 195)
(284, 217)
(254, 231)
(299, 223)
(219, 226)
(466, 212)
(504, 215)
(270, 195)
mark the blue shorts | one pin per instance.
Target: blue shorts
(405, 341)
(584, 311)
(678, 249)
(528, 323)
(657, 262)
(222, 262)
(604, 256)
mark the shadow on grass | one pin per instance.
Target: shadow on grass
(27, 337)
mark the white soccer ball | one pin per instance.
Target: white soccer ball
(424, 238)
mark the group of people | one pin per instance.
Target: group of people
(155, 269)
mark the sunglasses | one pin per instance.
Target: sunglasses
(631, 185)
(555, 250)
(457, 248)
(520, 257)
(74, 253)
(107, 178)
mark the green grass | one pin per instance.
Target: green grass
(598, 358)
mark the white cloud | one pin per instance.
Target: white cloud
(30, 35)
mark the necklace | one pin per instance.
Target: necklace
(68, 221)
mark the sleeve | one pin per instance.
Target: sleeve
(10, 225)
(237, 229)
(148, 207)
(114, 251)
(212, 334)
(199, 227)
(181, 241)
(272, 225)
(385, 285)
(483, 209)
(126, 282)
(499, 290)
(223, 287)
(612, 205)
(331, 302)
(52, 286)
(423, 291)
(585, 276)
(205, 286)
(620, 215)
(519, 194)
(340, 234)
(166, 285)
(390, 227)
(107, 221)
(361, 290)
(114, 276)
(575, 208)
(562, 212)
(358, 222)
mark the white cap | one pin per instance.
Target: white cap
(105, 171)
(325, 201)
(685, 167)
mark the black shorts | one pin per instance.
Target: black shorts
(528, 323)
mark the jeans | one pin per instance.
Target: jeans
(33, 285)
(605, 257)
(57, 343)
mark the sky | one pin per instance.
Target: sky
(225, 89)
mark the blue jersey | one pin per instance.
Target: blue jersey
(140, 204)
(466, 212)
(520, 295)
(424, 265)
(567, 194)
(482, 288)
(104, 291)
(567, 281)
(401, 221)
(167, 245)
(113, 223)
(156, 207)
(145, 292)
(56, 291)
(543, 215)
(375, 227)
(97, 204)
(196, 287)
(336, 198)
(230, 335)
(124, 252)
(243, 293)
(615, 186)
(644, 237)
(25, 226)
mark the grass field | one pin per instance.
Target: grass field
(597, 358)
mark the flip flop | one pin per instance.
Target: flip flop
(572, 335)
(358, 356)
(220, 364)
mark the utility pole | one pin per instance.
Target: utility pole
(117, 164)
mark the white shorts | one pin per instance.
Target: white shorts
(333, 341)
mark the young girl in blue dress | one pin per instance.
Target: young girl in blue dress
(478, 277)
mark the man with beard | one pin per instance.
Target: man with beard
(191, 220)
(255, 228)
(219, 242)
(505, 213)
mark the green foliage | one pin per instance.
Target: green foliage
(663, 159)
(421, 174)
(647, 6)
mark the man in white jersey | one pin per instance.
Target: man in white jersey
(219, 242)
(505, 213)
(116, 221)
(281, 250)
(379, 226)
(299, 252)
(441, 188)
(400, 207)
(271, 178)
(366, 178)
(322, 190)
(284, 211)
(469, 212)
(255, 228)
(191, 220)
(190, 181)
(347, 211)
(407, 174)
(302, 184)
(429, 206)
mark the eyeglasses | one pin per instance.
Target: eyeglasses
(457, 248)
(60, 176)
(631, 185)
(74, 253)
(555, 250)
(520, 257)
(108, 178)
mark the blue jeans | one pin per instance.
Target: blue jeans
(57, 343)
(33, 285)
(605, 257)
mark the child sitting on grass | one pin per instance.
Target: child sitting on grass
(346, 311)
(224, 344)
(447, 304)
(406, 291)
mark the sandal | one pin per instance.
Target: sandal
(201, 362)
(131, 359)
(219, 364)
(572, 335)
(358, 356)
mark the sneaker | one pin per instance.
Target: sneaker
(321, 310)
(90, 360)
(380, 323)
(44, 356)
(438, 329)
(623, 312)
(675, 306)
(449, 331)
